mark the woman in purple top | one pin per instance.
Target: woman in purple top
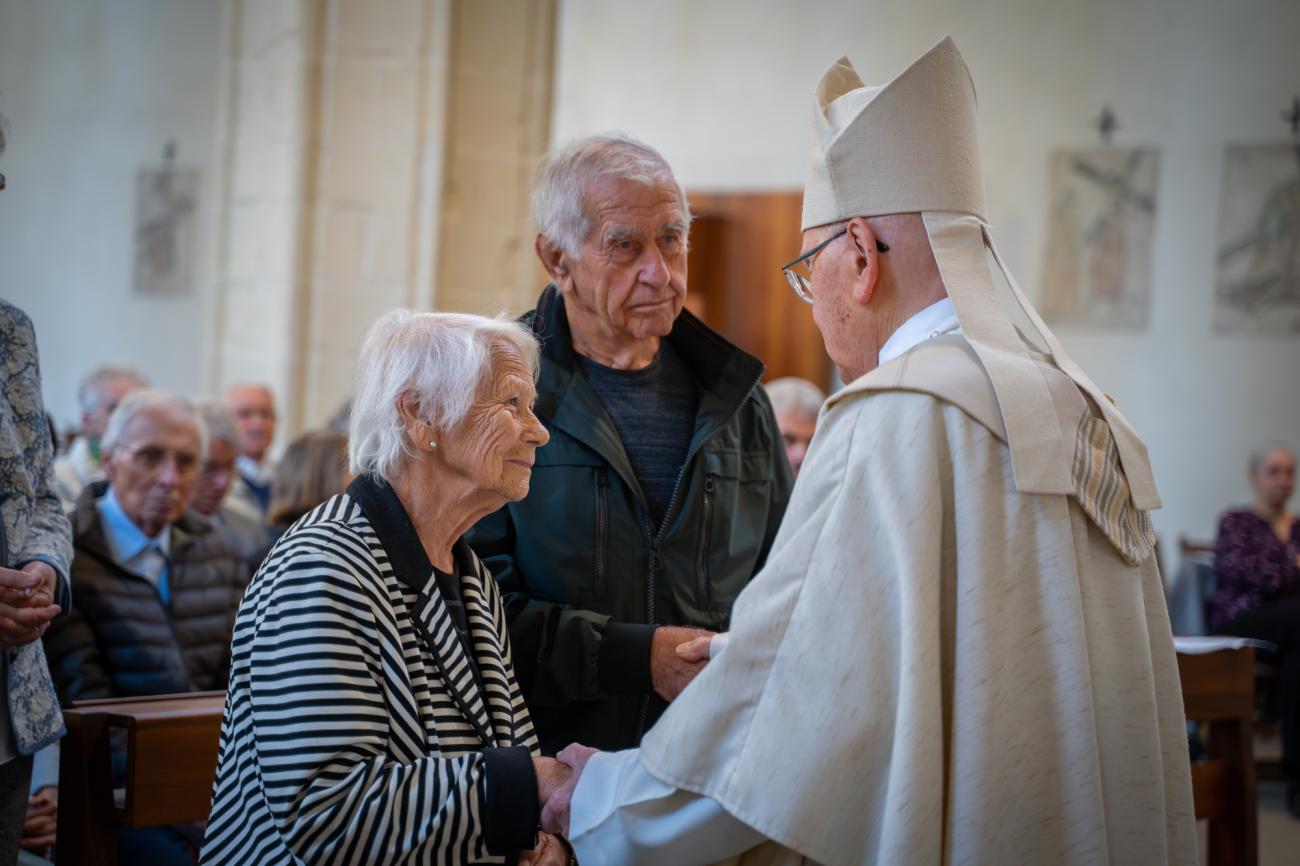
(1257, 593)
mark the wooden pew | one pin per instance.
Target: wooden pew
(171, 760)
(1219, 689)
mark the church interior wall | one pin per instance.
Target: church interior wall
(729, 107)
(93, 91)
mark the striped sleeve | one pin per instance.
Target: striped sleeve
(322, 658)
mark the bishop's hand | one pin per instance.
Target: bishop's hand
(555, 813)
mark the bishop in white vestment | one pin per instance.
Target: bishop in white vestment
(958, 651)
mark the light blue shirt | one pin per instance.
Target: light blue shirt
(131, 548)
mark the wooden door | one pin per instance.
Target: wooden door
(739, 240)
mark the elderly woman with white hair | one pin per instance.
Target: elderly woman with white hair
(373, 714)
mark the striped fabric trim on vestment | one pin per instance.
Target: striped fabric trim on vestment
(1102, 489)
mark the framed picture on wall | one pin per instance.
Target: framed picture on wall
(165, 202)
(1257, 283)
(1101, 219)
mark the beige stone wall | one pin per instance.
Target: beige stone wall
(498, 130)
(378, 154)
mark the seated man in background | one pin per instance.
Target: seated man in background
(254, 409)
(1257, 587)
(98, 396)
(796, 403)
(155, 587)
(216, 478)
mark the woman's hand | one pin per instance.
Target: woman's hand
(550, 851)
(555, 811)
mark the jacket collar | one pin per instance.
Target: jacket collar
(461, 666)
(399, 537)
(88, 531)
(725, 374)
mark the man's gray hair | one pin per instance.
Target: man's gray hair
(90, 394)
(1260, 454)
(219, 422)
(559, 197)
(442, 359)
(792, 394)
(147, 399)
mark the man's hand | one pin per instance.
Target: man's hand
(695, 650)
(550, 851)
(669, 671)
(555, 813)
(42, 819)
(26, 603)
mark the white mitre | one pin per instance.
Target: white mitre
(911, 146)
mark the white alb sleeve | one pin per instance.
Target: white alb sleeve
(621, 815)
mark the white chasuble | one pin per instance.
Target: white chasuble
(934, 668)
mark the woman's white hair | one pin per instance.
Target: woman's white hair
(559, 196)
(144, 400)
(792, 394)
(442, 359)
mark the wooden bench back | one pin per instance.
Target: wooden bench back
(171, 759)
(1219, 690)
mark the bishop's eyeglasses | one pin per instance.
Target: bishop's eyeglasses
(798, 273)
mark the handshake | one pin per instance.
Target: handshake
(556, 779)
(676, 656)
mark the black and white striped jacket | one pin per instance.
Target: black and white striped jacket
(361, 724)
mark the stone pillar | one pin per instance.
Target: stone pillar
(498, 130)
(378, 154)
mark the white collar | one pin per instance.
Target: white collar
(259, 473)
(938, 318)
(125, 539)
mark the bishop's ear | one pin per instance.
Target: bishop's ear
(864, 260)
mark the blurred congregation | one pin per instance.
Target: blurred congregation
(561, 431)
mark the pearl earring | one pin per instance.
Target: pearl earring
(433, 445)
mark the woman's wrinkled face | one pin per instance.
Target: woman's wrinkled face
(494, 445)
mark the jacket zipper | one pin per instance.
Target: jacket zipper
(602, 530)
(702, 557)
(658, 537)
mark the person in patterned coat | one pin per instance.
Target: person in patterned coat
(373, 714)
(35, 551)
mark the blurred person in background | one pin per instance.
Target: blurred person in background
(254, 409)
(795, 402)
(155, 586)
(313, 468)
(99, 393)
(1257, 587)
(216, 477)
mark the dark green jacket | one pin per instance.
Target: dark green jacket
(586, 576)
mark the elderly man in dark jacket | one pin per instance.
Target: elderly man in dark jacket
(155, 587)
(664, 481)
